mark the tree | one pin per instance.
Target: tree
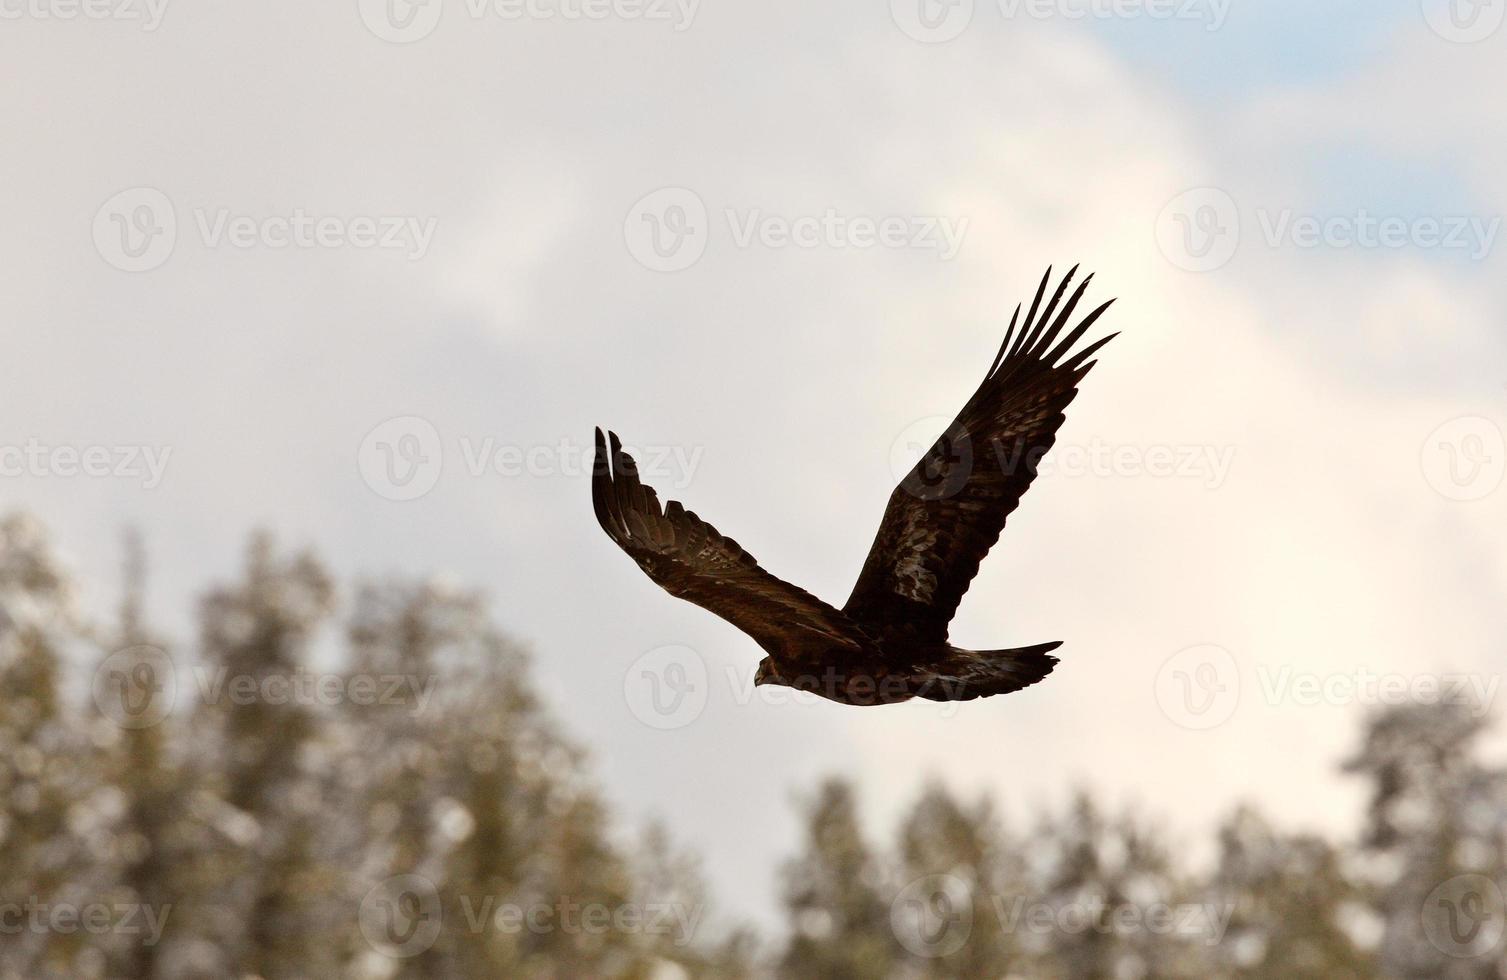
(134, 753)
(959, 872)
(1114, 897)
(1288, 899)
(51, 805)
(839, 920)
(1434, 842)
(264, 788)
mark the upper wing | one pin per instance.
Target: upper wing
(949, 510)
(688, 558)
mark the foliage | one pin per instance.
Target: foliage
(413, 810)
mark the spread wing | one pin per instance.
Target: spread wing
(949, 510)
(686, 557)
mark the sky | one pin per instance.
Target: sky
(368, 274)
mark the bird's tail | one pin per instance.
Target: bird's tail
(980, 673)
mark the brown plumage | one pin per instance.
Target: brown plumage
(889, 642)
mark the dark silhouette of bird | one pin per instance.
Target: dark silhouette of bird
(889, 642)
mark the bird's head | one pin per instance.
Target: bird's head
(767, 673)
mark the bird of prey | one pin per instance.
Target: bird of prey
(888, 643)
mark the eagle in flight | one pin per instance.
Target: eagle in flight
(889, 642)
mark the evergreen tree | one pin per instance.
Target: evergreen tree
(839, 919)
(1288, 899)
(1107, 881)
(135, 754)
(960, 873)
(1433, 842)
(265, 792)
(52, 809)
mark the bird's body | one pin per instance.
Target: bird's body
(941, 673)
(889, 641)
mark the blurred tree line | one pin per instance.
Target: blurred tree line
(411, 810)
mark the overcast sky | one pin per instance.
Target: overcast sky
(773, 245)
